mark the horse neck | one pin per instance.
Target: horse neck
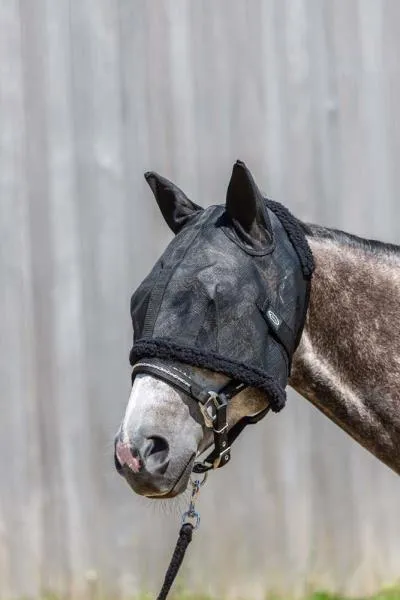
(348, 360)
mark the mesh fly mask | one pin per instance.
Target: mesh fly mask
(230, 294)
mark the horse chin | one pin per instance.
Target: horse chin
(179, 487)
(183, 480)
(161, 487)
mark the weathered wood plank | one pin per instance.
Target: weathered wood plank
(20, 522)
(54, 568)
(69, 351)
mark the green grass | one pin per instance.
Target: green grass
(388, 593)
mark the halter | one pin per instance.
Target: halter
(213, 405)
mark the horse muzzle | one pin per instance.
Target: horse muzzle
(146, 466)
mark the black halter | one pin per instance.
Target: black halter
(213, 405)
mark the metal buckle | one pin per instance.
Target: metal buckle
(224, 428)
(223, 457)
(213, 401)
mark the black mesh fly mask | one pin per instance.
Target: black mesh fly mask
(230, 294)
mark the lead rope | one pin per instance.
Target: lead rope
(190, 522)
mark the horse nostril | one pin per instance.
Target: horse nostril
(156, 445)
(155, 453)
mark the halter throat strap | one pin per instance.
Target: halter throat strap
(213, 405)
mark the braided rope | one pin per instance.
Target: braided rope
(185, 537)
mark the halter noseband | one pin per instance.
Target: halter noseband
(213, 405)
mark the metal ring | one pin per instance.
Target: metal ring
(192, 518)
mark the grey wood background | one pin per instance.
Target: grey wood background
(92, 94)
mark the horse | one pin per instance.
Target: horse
(346, 360)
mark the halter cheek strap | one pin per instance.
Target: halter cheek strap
(213, 405)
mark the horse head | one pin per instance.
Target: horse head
(215, 326)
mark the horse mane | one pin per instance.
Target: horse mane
(343, 238)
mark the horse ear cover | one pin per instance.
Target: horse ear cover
(246, 209)
(175, 206)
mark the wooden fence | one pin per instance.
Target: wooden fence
(92, 94)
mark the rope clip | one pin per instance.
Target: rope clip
(191, 515)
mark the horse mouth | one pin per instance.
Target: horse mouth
(143, 484)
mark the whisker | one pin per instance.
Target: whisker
(169, 506)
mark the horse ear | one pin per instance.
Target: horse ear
(175, 206)
(245, 206)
